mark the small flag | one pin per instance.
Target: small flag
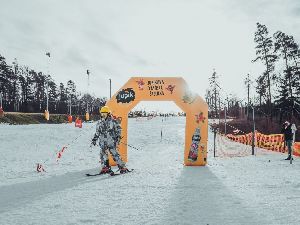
(60, 153)
(48, 54)
(87, 72)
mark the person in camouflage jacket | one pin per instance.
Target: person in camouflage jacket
(108, 133)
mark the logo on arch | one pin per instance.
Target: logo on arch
(125, 95)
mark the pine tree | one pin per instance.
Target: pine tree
(5, 81)
(283, 91)
(62, 99)
(27, 89)
(71, 90)
(62, 93)
(24, 89)
(39, 89)
(264, 52)
(286, 47)
(15, 85)
(261, 89)
(214, 86)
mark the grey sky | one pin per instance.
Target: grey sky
(119, 39)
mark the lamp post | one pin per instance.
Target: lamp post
(47, 84)
(215, 135)
(70, 105)
(47, 94)
(253, 133)
(47, 88)
(87, 114)
(225, 112)
(88, 87)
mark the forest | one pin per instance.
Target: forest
(276, 89)
(23, 89)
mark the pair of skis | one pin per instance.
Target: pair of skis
(111, 173)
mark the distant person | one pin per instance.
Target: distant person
(108, 132)
(288, 131)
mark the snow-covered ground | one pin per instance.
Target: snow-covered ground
(234, 188)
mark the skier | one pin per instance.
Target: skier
(288, 137)
(108, 132)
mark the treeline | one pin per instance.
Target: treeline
(277, 88)
(25, 90)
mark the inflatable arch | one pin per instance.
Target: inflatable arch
(165, 89)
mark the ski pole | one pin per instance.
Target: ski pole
(130, 146)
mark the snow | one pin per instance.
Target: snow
(234, 188)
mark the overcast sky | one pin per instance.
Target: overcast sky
(118, 39)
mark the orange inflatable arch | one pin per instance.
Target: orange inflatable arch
(175, 89)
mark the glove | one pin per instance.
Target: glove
(94, 141)
(118, 140)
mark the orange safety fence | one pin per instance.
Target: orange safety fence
(297, 149)
(273, 142)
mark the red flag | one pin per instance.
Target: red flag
(59, 154)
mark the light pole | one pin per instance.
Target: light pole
(47, 88)
(70, 104)
(15, 63)
(253, 133)
(88, 87)
(215, 135)
(47, 94)
(87, 115)
(225, 112)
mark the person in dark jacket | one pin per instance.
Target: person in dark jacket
(288, 137)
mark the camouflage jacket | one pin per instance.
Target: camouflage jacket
(108, 130)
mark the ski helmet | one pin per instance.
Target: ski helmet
(105, 109)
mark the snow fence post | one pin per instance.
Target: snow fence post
(253, 132)
(215, 134)
(294, 129)
(225, 130)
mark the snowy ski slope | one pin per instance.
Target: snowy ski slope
(261, 189)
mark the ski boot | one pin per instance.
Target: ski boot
(106, 169)
(289, 158)
(123, 169)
